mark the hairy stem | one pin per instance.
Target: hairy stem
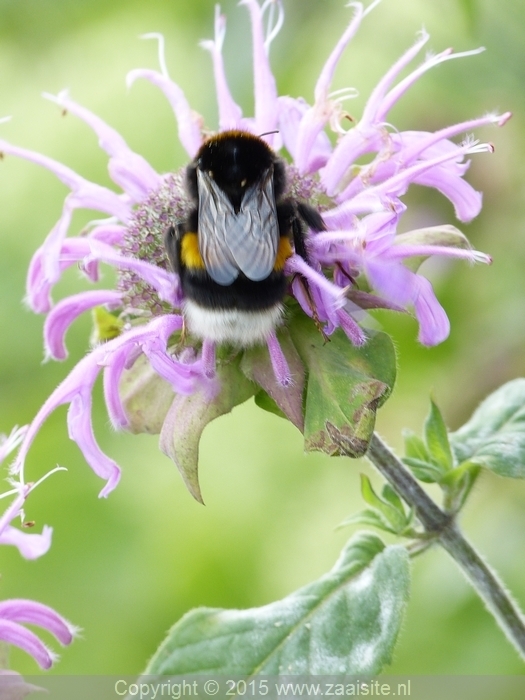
(484, 581)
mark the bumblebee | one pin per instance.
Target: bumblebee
(231, 250)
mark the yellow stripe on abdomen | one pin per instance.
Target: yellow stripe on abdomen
(283, 253)
(191, 257)
(189, 252)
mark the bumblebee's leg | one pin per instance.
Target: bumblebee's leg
(311, 217)
(299, 239)
(172, 243)
(290, 225)
(290, 215)
(172, 239)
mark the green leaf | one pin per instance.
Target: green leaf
(189, 415)
(494, 437)
(456, 475)
(367, 516)
(264, 401)
(393, 517)
(345, 622)
(424, 471)
(390, 496)
(458, 483)
(429, 459)
(415, 447)
(105, 325)
(436, 438)
(345, 387)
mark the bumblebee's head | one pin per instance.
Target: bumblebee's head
(235, 160)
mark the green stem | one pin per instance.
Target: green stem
(484, 581)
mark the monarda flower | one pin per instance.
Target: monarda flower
(156, 376)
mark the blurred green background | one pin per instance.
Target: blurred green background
(125, 568)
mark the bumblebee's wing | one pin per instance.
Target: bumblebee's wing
(215, 216)
(246, 241)
(252, 236)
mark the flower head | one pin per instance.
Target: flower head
(360, 205)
